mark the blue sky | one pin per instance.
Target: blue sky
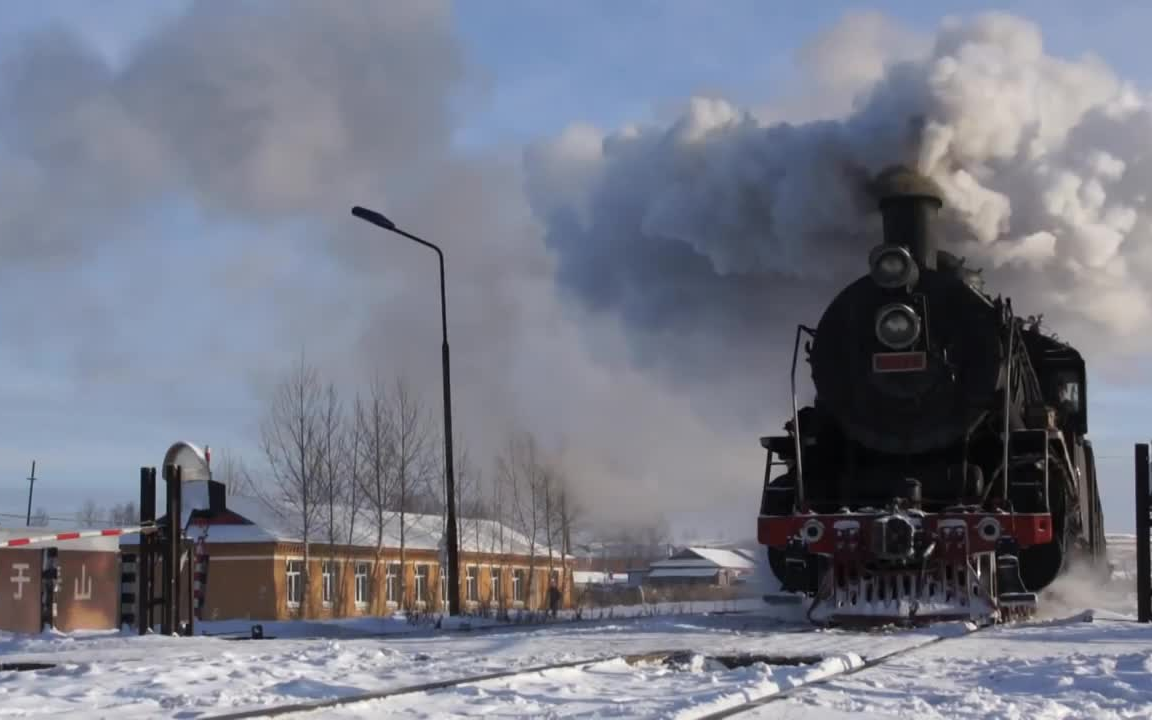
(543, 65)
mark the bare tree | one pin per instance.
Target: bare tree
(331, 478)
(568, 516)
(470, 505)
(229, 468)
(39, 518)
(521, 470)
(124, 515)
(496, 542)
(352, 494)
(90, 514)
(354, 445)
(373, 427)
(413, 457)
(292, 442)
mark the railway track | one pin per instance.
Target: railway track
(842, 654)
(815, 650)
(872, 662)
(311, 706)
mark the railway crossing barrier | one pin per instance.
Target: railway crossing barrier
(1143, 535)
(153, 578)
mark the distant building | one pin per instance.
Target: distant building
(701, 566)
(618, 556)
(255, 565)
(582, 578)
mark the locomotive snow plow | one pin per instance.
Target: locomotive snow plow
(943, 470)
(904, 567)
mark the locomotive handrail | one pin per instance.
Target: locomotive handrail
(796, 416)
(1011, 322)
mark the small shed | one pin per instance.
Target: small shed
(701, 566)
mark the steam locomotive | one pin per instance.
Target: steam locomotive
(943, 470)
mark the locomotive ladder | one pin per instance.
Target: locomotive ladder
(1143, 535)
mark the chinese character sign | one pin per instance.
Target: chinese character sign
(89, 590)
(20, 590)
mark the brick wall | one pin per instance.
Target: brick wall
(251, 581)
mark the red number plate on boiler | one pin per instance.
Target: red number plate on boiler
(899, 362)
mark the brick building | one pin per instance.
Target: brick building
(256, 562)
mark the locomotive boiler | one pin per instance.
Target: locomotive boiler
(943, 469)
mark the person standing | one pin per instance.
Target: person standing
(553, 598)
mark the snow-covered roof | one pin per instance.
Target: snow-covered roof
(421, 532)
(725, 558)
(696, 557)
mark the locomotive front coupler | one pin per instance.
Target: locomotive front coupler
(1008, 580)
(801, 568)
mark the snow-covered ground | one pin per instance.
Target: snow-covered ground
(1101, 669)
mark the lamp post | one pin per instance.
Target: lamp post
(449, 477)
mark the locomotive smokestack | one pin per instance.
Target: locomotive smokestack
(909, 202)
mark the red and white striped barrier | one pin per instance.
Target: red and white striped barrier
(110, 532)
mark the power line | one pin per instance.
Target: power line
(21, 516)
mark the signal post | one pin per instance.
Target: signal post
(1143, 535)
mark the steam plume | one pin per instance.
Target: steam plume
(711, 237)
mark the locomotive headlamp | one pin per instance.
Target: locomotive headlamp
(892, 266)
(897, 326)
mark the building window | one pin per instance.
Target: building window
(361, 584)
(494, 573)
(443, 587)
(422, 583)
(473, 583)
(326, 575)
(392, 583)
(518, 585)
(293, 586)
(556, 577)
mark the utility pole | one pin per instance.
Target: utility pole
(31, 482)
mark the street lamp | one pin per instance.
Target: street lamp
(449, 477)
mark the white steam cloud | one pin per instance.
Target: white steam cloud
(713, 236)
(270, 120)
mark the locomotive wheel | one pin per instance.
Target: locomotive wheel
(779, 503)
(1099, 543)
(776, 562)
(1040, 565)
